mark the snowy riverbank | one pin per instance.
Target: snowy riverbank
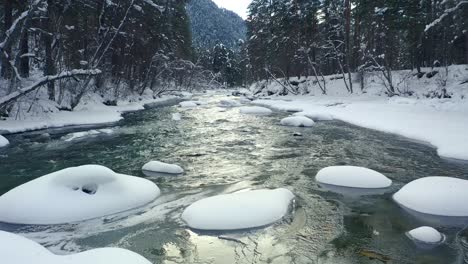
(92, 112)
(442, 123)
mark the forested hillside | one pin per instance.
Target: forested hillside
(212, 25)
(314, 38)
(111, 47)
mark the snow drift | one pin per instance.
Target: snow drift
(255, 110)
(3, 141)
(297, 121)
(157, 166)
(353, 177)
(441, 196)
(19, 250)
(75, 194)
(426, 234)
(240, 210)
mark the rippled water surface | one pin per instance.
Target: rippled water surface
(223, 152)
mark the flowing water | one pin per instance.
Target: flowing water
(223, 152)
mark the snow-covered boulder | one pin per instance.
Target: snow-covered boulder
(239, 210)
(229, 103)
(427, 235)
(157, 166)
(316, 116)
(188, 104)
(85, 134)
(19, 250)
(3, 141)
(176, 116)
(75, 194)
(352, 177)
(255, 110)
(441, 196)
(297, 121)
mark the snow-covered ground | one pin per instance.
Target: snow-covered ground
(91, 112)
(442, 123)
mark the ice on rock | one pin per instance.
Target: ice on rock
(3, 141)
(316, 116)
(84, 134)
(16, 249)
(241, 210)
(297, 121)
(75, 194)
(188, 104)
(255, 110)
(441, 196)
(157, 166)
(352, 177)
(229, 103)
(176, 116)
(426, 234)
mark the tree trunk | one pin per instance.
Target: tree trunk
(348, 42)
(24, 62)
(49, 61)
(7, 21)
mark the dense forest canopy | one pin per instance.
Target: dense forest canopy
(117, 47)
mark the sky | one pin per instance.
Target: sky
(238, 6)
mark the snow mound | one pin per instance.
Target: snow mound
(188, 104)
(157, 166)
(75, 194)
(176, 117)
(353, 177)
(229, 103)
(255, 110)
(297, 121)
(426, 234)
(19, 250)
(316, 116)
(3, 141)
(240, 210)
(84, 134)
(439, 196)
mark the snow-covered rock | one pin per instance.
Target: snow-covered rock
(84, 134)
(239, 210)
(188, 104)
(255, 110)
(316, 116)
(19, 250)
(176, 116)
(157, 166)
(353, 177)
(441, 196)
(229, 103)
(75, 194)
(426, 234)
(3, 141)
(297, 121)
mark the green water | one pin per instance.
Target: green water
(223, 152)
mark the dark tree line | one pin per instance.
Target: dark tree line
(289, 38)
(130, 45)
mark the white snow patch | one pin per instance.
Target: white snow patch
(188, 104)
(3, 141)
(255, 110)
(297, 121)
(157, 166)
(316, 116)
(353, 177)
(84, 134)
(75, 194)
(176, 116)
(426, 234)
(19, 250)
(441, 196)
(239, 210)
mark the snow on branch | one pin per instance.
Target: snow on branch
(445, 14)
(151, 3)
(15, 23)
(44, 80)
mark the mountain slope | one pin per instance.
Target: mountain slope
(212, 25)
